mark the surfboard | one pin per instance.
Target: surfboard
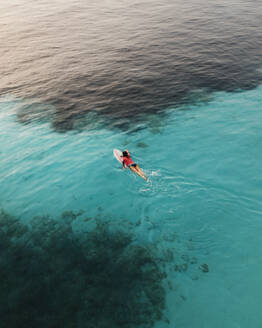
(118, 155)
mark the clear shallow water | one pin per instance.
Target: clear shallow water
(203, 200)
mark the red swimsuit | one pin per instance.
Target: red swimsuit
(128, 161)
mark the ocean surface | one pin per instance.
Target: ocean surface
(84, 243)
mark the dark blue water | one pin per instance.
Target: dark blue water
(123, 60)
(84, 243)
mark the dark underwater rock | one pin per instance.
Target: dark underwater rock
(141, 144)
(53, 277)
(181, 267)
(204, 267)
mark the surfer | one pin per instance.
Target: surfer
(128, 162)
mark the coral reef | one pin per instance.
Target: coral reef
(52, 276)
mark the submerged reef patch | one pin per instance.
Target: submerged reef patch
(53, 277)
(141, 144)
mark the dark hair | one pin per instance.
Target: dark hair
(125, 153)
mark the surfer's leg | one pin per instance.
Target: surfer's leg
(139, 171)
(132, 168)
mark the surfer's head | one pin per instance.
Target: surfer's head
(126, 153)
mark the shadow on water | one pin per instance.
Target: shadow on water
(52, 276)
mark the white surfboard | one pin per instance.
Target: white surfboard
(118, 155)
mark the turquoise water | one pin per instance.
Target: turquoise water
(202, 200)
